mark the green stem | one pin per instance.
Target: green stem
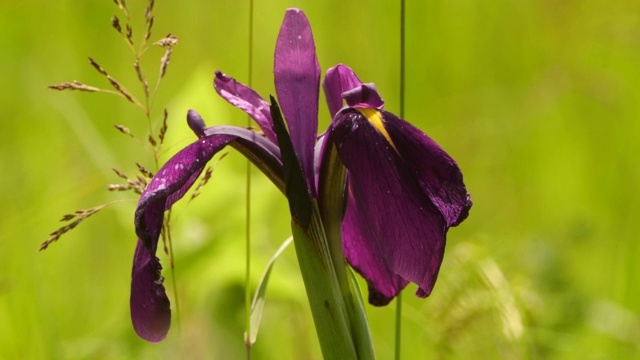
(329, 311)
(398, 345)
(398, 325)
(174, 283)
(247, 287)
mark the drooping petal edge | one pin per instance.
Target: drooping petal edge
(150, 311)
(392, 232)
(437, 173)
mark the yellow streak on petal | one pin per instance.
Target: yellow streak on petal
(375, 118)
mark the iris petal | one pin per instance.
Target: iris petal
(341, 83)
(337, 80)
(392, 232)
(246, 99)
(150, 312)
(297, 80)
(437, 173)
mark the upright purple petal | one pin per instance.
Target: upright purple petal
(338, 80)
(244, 98)
(341, 83)
(297, 81)
(392, 230)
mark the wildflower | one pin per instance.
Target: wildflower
(402, 191)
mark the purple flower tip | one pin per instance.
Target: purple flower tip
(364, 96)
(196, 123)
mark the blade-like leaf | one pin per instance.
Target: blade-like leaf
(296, 190)
(327, 304)
(259, 297)
(359, 322)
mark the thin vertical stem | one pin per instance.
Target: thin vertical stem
(402, 58)
(398, 325)
(247, 292)
(173, 269)
(402, 100)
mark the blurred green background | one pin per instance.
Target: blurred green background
(538, 101)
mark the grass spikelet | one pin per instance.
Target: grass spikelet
(164, 62)
(118, 187)
(75, 85)
(120, 174)
(120, 90)
(122, 4)
(141, 77)
(123, 129)
(163, 128)
(144, 171)
(136, 185)
(115, 22)
(169, 40)
(97, 66)
(79, 216)
(130, 34)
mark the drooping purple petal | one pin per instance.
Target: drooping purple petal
(171, 183)
(297, 81)
(244, 98)
(392, 230)
(366, 257)
(150, 311)
(437, 173)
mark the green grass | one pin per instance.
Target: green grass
(537, 101)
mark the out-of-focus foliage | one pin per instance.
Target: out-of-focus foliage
(537, 100)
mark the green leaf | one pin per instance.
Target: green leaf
(259, 297)
(359, 322)
(329, 311)
(296, 190)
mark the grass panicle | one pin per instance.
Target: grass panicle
(77, 217)
(137, 184)
(115, 84)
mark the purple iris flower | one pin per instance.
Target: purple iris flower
(402, 191)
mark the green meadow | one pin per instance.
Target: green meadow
(538, 102)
